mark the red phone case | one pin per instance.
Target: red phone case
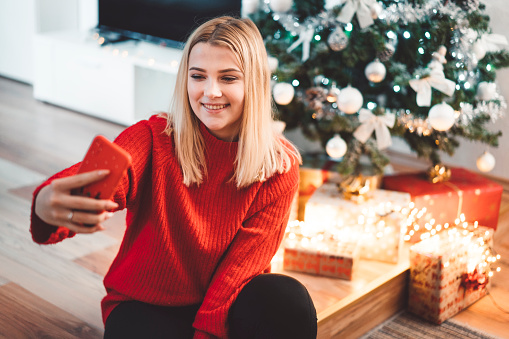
(104, 154)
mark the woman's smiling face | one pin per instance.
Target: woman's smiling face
(216, 89)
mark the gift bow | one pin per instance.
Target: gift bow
(474, 280)
(361, 7)
(305, 38)
(378, 123)
(490, 42)
(437, 80)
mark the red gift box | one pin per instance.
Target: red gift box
(468, 193)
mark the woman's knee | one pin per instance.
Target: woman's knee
(273, 306)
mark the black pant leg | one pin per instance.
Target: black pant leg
(273, 306)
(134, 319)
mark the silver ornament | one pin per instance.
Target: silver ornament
(337, 40)
(375, 71)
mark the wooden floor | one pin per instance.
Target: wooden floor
(55, 291)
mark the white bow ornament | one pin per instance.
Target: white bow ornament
(490, 42)
(305, 38)
(363, 8)
(378, 123)
(437, 80)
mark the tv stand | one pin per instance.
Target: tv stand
(122, 82)
(112, 41)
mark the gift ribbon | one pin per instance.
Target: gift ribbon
(423, 86)
(473, 281)
(459, 192)
(378, 123)
(305, 38)
(363, 8)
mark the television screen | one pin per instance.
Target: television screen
(168, 20)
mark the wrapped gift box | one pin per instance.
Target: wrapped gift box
(467, 193)
(327, 208)
(375, 223)
(447, 272)
(382, 240)
(337, 261)
(326, 254)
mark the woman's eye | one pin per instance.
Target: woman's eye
(229, 79)
(197, 76)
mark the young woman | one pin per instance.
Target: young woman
(207, 197)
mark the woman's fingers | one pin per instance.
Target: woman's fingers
(76, 202)
(78, 180)
(85, 222)
(56, 206)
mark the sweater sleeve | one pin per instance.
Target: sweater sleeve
(137, 140)
(249, 254)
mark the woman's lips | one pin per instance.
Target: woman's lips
(215, 107)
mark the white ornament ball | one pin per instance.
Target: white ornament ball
(250, 6)
(350, 100)
(273, 63)
(479, 50)
(280, 6)
(486, 162)
(336, 147)
(441, 117)
(375, 71)
(486, 90)
(337, 40)
(283, 93)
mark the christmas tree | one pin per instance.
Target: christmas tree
(354, 73)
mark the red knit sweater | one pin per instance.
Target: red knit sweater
(187, 245)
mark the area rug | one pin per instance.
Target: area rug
(408, 326)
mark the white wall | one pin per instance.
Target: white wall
(467, 154)
(17, 24)
(20, 20)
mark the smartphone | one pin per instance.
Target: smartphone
(103, 154)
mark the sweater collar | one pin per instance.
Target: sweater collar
(214, 144)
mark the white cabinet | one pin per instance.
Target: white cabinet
(123, 82)
(21, 20)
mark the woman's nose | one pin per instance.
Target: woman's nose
(213, 90)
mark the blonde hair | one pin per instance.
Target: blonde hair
(262, 151)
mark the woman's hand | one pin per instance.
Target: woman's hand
(56, 206)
